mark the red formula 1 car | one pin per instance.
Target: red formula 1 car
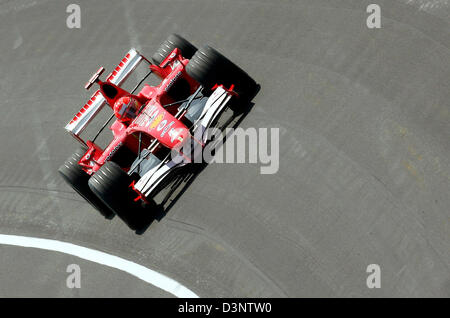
(196, 87)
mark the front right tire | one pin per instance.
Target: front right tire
(111, 185)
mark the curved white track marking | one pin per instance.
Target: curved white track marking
(159, 280)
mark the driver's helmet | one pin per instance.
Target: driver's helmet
(126, 108)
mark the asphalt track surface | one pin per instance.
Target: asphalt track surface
(364, 178)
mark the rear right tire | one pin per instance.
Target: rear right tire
(75, 176)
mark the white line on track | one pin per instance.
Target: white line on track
(147, 275)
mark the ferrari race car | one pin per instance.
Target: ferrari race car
(157, 131)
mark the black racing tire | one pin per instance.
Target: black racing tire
(111, 185)
(209, 67)
(172, 42)
(75, 176)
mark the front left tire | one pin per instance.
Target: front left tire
(209, 67)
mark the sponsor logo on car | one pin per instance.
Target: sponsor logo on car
(113, 151)
(161, 125)
(172, 81)
(173, 133)
(167, 128)
(156, 121)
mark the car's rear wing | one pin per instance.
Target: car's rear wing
(80, 121)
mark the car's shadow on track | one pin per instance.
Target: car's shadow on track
(156, 211)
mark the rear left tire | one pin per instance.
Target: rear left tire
(172, 42)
